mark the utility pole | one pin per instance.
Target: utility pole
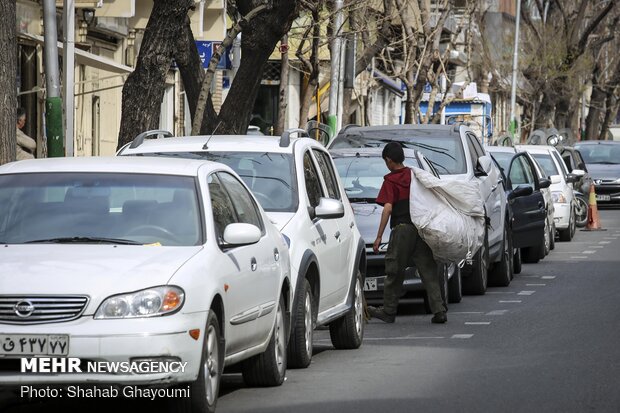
(53, 102)
(334, 89)
(68, 14)
(515, 59)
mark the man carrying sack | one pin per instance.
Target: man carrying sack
(406, 247)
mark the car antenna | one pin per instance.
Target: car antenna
(205, 146)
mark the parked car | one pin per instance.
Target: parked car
(603, 161)
(457, 154)
(295, 182)
(361, 171)
(531, 211)
(115, 259)
(561, 190)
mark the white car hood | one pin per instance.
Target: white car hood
(94, 270)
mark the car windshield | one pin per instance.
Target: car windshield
(546, 162)
(444, 152)
(362, 176)
(111, 208)
(270, 176)
(602, 153)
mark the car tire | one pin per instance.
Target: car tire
(302, 332)
(347, 332)
(547, 237)
(567, 234)
(552, 237)
(533, 254)
(269, 368)
(581, 212)
(501, 274)
(455, 287)
(204, 391)
(476, 282)
(516, 262)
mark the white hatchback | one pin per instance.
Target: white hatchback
(295, 181)
(129, 260)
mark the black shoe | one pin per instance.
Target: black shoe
(439, 318)
(381, 314)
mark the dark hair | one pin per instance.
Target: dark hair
(21, 112)
(394, 151)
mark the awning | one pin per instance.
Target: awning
(387, 82)
(85, 58)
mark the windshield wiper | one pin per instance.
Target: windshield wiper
(85, 240)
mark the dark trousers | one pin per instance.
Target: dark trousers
(407, 248)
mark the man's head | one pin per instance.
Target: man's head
(21, 117)
(393, 155)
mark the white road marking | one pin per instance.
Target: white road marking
(497, 312)
(466, 312)
(510, 301)
(526, 293)
(395, 338)
(500, 292)
(462, 336)
(477, 323)
(578, 258)
(588, 252)
(597, 246)
(548, 277)
(535, 285)
(604, 242)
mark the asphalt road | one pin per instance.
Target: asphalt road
(550, 342)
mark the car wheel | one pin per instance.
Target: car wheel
(476, 283)
(552, 237)
(204, 391)
(269, 367)
(347, 332)
(300, 343)
(567, 234)
(455, 287)
(581, 212)
(517, 262)
(501, 274)
(547, 235)
(573, 225)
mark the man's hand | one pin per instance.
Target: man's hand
(375, 246)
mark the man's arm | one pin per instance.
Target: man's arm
(385, 215)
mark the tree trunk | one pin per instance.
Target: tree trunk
(143, 91)
(283, 103)
(260, 36)
(410, 106)
(192, 75)
(306, 99)
(562, 114)
(545, 113)
(611, 110)
(8, 99)
(593, 121)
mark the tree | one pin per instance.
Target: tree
(8, 57)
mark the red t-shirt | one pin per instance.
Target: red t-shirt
(395, 191)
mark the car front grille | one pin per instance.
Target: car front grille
(36, 309)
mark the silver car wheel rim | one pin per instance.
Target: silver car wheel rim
(358, 307)
(547, 236)
(211, 366)
(308, 322)
(279, 340)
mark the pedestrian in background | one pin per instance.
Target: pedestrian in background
(25, 144)
(406, 247)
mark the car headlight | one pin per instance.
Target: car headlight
(155, 301)
(558, 198)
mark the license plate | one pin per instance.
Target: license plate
(370, 284)
(603, 197)
(34, 345)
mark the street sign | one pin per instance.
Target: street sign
(206, 49)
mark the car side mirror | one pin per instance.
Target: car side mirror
(544, 183)
(521, 190)
(578, 172)
(555, 179)
(238, 234)
(571, 179)
(484, 166)
(329, 208)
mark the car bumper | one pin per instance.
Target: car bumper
(375, 277)
(561, 215)
(607, 194)
(157, 339)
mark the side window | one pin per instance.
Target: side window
(313, 185)
(221, 205)
(325, 166)
(479, 150)
(529, 173)
(517, 173)
(560, 162)
(472, 152)
(245, 207)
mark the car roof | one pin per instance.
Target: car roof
(536, 148)
(508, 149)
(354, 130)
(597, 143)
(217, 143)
(145, 165)
(342, 152)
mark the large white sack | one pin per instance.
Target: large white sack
(449, 215)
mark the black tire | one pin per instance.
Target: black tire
(476, 283)
(269, 368)
(455, 286)
(581, 212)
(567, 234)
(347, 332)
(501, 274)
(552, 237)
(547, 237)
(516, 263)
(531, 255)
(302, 332)
(204, 391)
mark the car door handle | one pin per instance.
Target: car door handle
(351, 224)
(337, 235)
(253, 264)
(541, 205)
(276, 254)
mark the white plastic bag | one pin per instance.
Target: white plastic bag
(448, 214)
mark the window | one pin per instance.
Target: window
(221, 205)
(326, 169)
(313, 185)
(472, 152)
(558, 159)
(547, 163)
(479, 151)
(246, 209)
